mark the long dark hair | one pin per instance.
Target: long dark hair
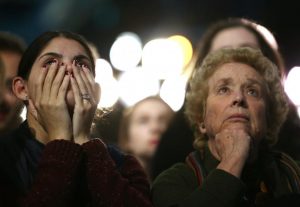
(35, 48)
(266, 46)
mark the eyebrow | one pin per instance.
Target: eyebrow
(50, 54)
(60, 56)
(82, 57)
(224, 81)
(248, 81)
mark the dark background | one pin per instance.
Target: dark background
(101, 21)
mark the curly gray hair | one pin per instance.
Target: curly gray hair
(277, 106)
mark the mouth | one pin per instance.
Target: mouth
(238, 118)
(154, 142)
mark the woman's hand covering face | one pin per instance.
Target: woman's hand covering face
(50, 108)
(86, 94)
(63, 94)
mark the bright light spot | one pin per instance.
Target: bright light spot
(104, 77)
(103, 70)
(136, 84)
(268, 35)
(173, 92)
(163, 58)
(186, 47)
(109, 93)
(23, 113)
(126, 51)
(298, 109)
(292, 85)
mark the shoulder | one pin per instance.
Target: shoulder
(173, 185)
(178, 174)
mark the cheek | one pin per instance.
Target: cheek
(137, 135)
(260, 114)
(212, 115)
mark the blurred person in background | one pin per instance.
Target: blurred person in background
(236, 105)
(11, 49)
(141, 127)
(2, 74)
(51, 159)
(177, 141)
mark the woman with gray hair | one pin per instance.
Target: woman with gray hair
(236, 104)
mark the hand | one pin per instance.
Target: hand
(48, 102)
(231, 146)
(86, 93)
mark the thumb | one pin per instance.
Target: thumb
(32, 109)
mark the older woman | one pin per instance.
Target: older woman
(51, 160)
(236, 105)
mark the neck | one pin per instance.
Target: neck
(37, 129)
(145, 162)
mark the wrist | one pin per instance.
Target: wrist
(232, 166)
(81, 139)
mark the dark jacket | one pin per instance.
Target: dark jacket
(63, 173)
(261, 184)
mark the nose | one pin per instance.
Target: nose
(158, 127)
(239, 99)
(69, 66)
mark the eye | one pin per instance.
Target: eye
(223, 90)
(143, 120)
(50, 61)
(253, 92)
(81, 63)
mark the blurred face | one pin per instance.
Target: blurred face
(64, 51)
(11, 106)
(236, 99)
(234, 37)
(149, 120)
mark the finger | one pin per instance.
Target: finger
(63, 87)
(94, 88)
(76, 92)
(88, 83)
(37, 90)
(97, 92)
(57, 82)
(81, 85)
(32, 109)
(48, 81)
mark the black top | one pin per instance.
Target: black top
(19, 156)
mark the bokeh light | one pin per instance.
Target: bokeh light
(109, 93)
(136, 84)
(186, 47)
(109, 87)
(162, 58)
(292, 85)
(126, 51)
(173, 91)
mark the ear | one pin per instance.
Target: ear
(202, 128)
(19, 88)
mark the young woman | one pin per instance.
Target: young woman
(51, 160)
(141, 128)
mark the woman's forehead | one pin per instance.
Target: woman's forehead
(235, 71)
(64, 46)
